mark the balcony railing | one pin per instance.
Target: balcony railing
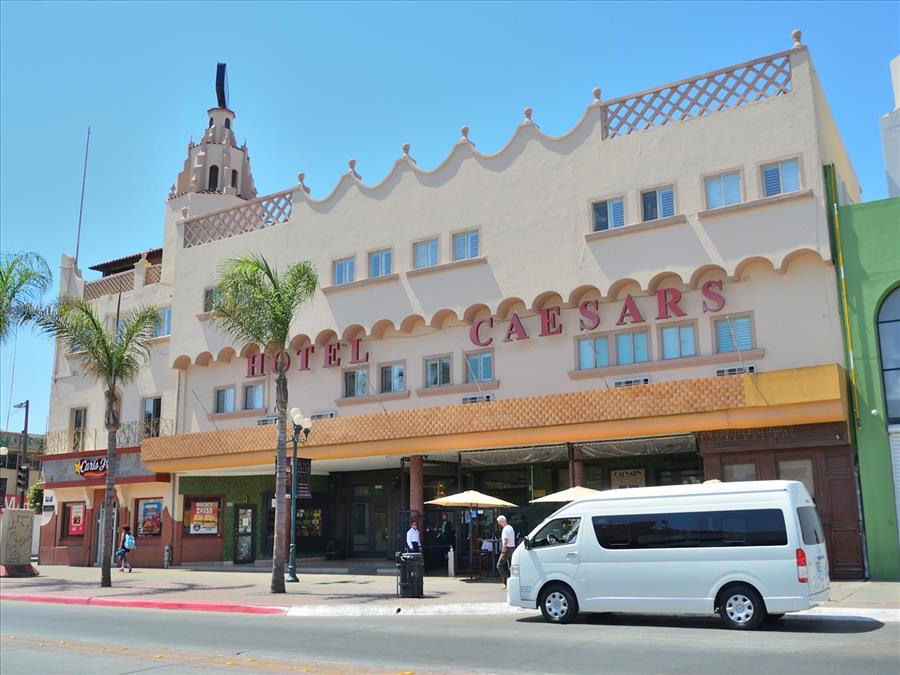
(131, 434)
(254, 215)
(70, 440)
(114, 283)
(152, 275)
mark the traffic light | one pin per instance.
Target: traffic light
(22, 479)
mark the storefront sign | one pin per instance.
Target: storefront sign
(150, 511)
(627, 478)
(91, 467)
(76, 520)
(204, 518)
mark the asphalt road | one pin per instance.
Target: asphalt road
(45, 638)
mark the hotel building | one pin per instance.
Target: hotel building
(647, 299)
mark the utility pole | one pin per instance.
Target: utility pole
(22, 484)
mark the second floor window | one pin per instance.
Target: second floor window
(609, 214)
(225, 400)
(437, 372)
(356, 383)
(678, 341)
(164, 327)
(152, 412)
(344, 271)
(480, 367)
(425, 253)
(593, 353)
(781, 177)
(210, 296)
(734, 334)
(393, 378)
(723, 190)
(466, 245)
(632, 348)
(253, 397)
(658, 203)
(380, 263)
(79, 425)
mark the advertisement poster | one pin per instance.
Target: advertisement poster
(627, 478)
(151, 517)
(205, 518)
(76, 520)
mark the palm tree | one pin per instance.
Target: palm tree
(255, 303)
(108, 356)
(24, 278)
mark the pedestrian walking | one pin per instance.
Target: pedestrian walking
(413, 539)
(126, 545)
(507, 546)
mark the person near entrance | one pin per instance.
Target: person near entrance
(413, 540)
(126, 545)
(507, 546)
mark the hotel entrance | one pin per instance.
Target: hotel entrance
(368, 525)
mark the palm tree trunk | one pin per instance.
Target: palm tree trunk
(280, 478)
(107, 529)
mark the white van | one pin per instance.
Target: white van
(745, 550)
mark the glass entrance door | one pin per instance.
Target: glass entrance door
(360, 527)
(369, 529)
(244, 533)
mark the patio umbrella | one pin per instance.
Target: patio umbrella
(471, 499)
(570, 495)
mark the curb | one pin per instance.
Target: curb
(233, 608)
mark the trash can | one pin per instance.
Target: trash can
(410, 571)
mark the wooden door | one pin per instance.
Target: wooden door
(840, 515)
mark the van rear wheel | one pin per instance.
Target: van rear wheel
(741, 607)
(558, 604)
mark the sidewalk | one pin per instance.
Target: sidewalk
(337, 594)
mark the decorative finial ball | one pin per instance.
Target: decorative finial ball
(528, 112)
(184, 212)
(797, 36)
(352, 164)
(406, 149)
(465, 132)
(300, 177)
(597, 93)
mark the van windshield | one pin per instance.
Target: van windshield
(810, 527)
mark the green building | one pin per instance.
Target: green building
(869, 237)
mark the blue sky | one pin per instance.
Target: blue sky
(316, 84)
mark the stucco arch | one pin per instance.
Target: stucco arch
(381, 327)
(352, 332)
(182, 362)
(298, 341)
(702, 271)
(325, 336)
(741, 269)
(509, 305)
(619, 285)
(793, 256)
(248, 349)
(226, 355)
(203, 359)
(667, 277)
(579, 294)
(411, 322)
(441, 317)
(546, 299)
(478, 310)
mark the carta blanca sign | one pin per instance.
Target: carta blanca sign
(668, 306)
(91, 467)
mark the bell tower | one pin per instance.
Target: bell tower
(217, 165)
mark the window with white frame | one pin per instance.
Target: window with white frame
(393, 378)
(679, 341)
(224, 400)
(658, 203)
(437, 372)
(381, 263)
(609, 214)
(593, 352)
(253, 396)
(781, 177)
(356, 382)
(632, 348)
(466, 245)
(344, 271)
(425, 253)
(734, 334)
(723, 190)
(164, 326)
(480, 367)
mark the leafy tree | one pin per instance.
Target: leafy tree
(255, 303)
(24, 278)
(108, 356)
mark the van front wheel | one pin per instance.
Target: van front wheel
(741, 607)
(558, 604)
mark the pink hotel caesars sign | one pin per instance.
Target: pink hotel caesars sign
(668, 306)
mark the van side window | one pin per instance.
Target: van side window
(557, 532)
(810, 527)
(747, 527)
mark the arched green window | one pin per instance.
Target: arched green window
(889, 341)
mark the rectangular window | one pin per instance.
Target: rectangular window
(723, 190)
(738, 472)
(164, 327)
(437, 372)
(210, 295)
(202, 515)
(658, 203)
(678, 342)
(593, 353)
(393, 378)
(734, 334)
(73, 519)
(356, 383)
(810, 527)
(466, 245)
(609, 214)
(151, 413)
(426, 253)
(480, 367)
(148, 517)
(781, 177)
(79, 428)
(344, 271)
(253, 397)
(381, 263)
(225, 400)
(632, 348)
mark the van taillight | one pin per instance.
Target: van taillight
(801, 566)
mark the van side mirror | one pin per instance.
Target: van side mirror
(528, 543)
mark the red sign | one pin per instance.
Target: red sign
(91, 467)
(76, 520)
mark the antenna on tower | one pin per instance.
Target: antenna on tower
(87, 146)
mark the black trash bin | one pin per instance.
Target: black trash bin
(410, 571)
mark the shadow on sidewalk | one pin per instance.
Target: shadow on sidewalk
(789, 624)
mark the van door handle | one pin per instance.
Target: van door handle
(571, 555)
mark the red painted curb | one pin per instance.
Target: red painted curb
(148, 604)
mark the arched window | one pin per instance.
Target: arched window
(889, 341)
(210, 121)
(227, 123)
(213, 178)
(234, 178)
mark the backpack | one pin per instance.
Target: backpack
(129, 541)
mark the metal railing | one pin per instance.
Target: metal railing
(130, 434)
(79, 439)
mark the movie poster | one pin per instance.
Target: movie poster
(151, 517)
(204, 517)
(76, 520)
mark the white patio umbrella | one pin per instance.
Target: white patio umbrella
(472, 499)
(570, 495)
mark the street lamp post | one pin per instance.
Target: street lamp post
(304, 425)
(21, 459)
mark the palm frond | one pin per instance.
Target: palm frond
(24, 278)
